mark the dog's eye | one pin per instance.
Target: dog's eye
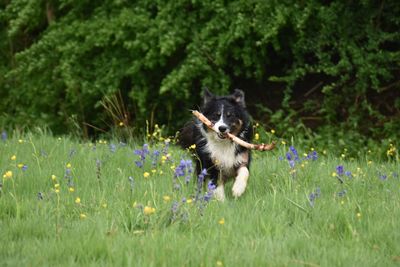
(228, 114)
(218, 113)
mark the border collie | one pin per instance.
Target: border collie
(221, 157)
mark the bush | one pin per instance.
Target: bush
(322, 64)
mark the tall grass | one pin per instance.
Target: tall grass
(89, 204)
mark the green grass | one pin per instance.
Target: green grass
(272, 224)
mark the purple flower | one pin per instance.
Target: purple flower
(294, 151)
(383, 177)
(210, 191)
(313, 196)
(340, 170)
(24, 168)
(289, 156)
(348, 174)
(313, 156)
(291, 163)
(139, 163)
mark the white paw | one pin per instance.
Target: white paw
(219, 193)
(238, 187)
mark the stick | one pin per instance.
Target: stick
(237, 140)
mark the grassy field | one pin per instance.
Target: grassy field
(66, 203)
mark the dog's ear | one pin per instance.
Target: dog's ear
(238, 96)
(207, 95)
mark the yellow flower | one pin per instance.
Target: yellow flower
(148, 210)
(161, 172)
(56, 186)
(146, 174)
(219, 263)
(13, 157)
(20, 165)
(189, 200)
(82, 216)
(283, 142)
(69, 165)
(20, 141)
(272, 131)
(71, 189)
(193, 146)
(7, 175)
(57, 190)
(104, 205)
(358, 215)
(153, 170)
(221, 221)
(121, 124)
(77, 200)
(369, 162)
(173, 167)
(166, 198)
(53, 177)
(342, 202)
(334, 174)
(256, 136)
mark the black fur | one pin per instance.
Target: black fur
(237, 121)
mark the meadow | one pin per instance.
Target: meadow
(66, 202)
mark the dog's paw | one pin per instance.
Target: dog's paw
(219, 193)
(239, 187)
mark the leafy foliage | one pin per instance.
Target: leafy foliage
(325, 65)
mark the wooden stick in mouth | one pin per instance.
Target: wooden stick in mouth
(233, 138)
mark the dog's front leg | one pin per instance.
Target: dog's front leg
(240, 181)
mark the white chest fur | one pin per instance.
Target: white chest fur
(223, 153)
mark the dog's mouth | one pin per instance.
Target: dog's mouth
(222, 135)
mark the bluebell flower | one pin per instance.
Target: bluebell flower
(24, 168)
(139, 163)
(291, 163)
(348, 174)
(340, 170)
(383, 177)
(294, 151)
(289, 156)
(313, 156)
(4, 135)
(280, 158)
(210, 191)
(311, 199)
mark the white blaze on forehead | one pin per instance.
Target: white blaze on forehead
(220, 122)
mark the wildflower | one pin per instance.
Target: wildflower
(4, 136)
(146, 174)
(340, 170)
(313, 196)
(139, 163)
(57, 190)
(369, 162)
(221, 221)
(391, 151)
(20, 141)
(219, 263)
(13, 157)
(71, 189)
(348, 174)
(104, 205)
(272, 131)
(193, 146)
(20, 165)
(121, 124)
(294, 151)
(53, 177)
(358, 215)
(56, 186)
(82, 216)
(77, 200)
(153, 171)
(166, 198)
(283, 142)
(189, 200)
(148, 210)
(210, 191)
(256, 136)
(69, 165)
(383, 177)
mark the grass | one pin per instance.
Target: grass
(117, 223)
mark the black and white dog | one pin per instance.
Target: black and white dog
(221, 157)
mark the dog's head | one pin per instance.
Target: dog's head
(228, 113)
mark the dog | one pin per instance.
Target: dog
(222, 158)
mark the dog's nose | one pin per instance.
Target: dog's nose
(222, 128)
